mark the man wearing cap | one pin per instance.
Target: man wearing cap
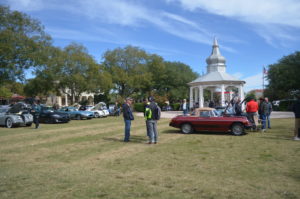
(128, 116)
(152, 114)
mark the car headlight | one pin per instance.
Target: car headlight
(55, 115)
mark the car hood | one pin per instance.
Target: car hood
(18, 107)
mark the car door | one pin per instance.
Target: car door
(203, 121)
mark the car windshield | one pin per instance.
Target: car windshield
(48, 109)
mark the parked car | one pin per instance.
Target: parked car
(97, 113)
(167, 108)
(102, 107)
(74, 113)
(208, 120)
(49, 115)
(16, 115)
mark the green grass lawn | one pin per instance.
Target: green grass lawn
(87, 159)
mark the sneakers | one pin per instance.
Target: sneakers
(296, 138)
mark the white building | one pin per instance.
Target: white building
(215, 80)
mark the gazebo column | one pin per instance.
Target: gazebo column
(196, 95)
(212, 94)
(241, 95)
(191, 97)
(222, 95)
(66, 101)
(201, 98)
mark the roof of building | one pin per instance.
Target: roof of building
(216, 76)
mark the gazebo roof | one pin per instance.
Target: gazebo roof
(217, 76)
(216, 69)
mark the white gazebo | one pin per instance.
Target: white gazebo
(215, 80)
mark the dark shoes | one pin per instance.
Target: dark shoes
(152, 143)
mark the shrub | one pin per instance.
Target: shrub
(175, 106)
(139, 107)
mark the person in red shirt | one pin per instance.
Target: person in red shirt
(251, 109)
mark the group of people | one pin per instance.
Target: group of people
(151, 113)
(264, 110)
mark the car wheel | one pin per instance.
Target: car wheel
(187, 128)
(29, 124)
(78, 117)
(8, 123)
(237, 129)
(97, 115)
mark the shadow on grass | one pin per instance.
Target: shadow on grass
(196, 133)
(133, 138)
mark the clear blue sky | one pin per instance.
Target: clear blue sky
(251, 33)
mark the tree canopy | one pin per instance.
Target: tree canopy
(138, 73)
(22, 43)
(284, 76)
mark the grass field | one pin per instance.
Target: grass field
(87, 159)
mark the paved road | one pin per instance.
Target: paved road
(275, 114)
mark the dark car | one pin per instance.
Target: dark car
(167, 108)
(208, 120)
(49, 115)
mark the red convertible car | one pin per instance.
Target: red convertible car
(208, 120)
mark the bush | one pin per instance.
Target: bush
(139, 107)
(175, 106)
(286, 105)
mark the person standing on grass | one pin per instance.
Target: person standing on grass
(262, 111)
(128, 116)
(147, 107)
(251, 109)
(268, 112)
(296, 110)
(185, 107)
(35, 111)
(152, 114)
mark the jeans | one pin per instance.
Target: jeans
(250, 117)
(152, 128)
(268, 120)
(263, 121)
(36, 120)
(185, 112)
(127, 130)
(147, 127)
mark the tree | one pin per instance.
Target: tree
(128, 67)
(80, 73)
(178, 75)
(283, 77)
(22, 42)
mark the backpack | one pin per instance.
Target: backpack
(157, 113)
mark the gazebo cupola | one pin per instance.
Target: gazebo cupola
(216, 62)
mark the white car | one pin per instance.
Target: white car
(97, 113)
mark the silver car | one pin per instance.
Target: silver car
(10, 118)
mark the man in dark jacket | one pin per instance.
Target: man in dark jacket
(152, 114)
(128, 116)
(35, 111)
(296, 110)
(269, 111)
(262, 111)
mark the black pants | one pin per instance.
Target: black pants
(36, 120)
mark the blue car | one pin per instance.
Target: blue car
(74, 113)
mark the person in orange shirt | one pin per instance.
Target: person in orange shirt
(251, 109)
